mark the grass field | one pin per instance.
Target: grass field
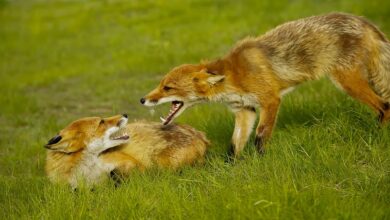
(62, 60)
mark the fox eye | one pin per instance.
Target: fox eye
(211, 72)
(167, 88)
(102, 121)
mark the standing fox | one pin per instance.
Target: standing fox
(353, 52)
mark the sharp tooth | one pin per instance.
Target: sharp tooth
(162, 119)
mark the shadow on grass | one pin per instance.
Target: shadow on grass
(351, 113)
(319, 102)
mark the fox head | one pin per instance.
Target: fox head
(92, 133)
(185, 86)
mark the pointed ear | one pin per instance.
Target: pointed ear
(54, 140)
(57, 143)
(213, 79)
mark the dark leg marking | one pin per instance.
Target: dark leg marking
(116, 178)
(230, 155)
(232, 149)
(259, 143)
(386, 106)
(380, 116)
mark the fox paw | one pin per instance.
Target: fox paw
(384, 116)
(231, 152)
(116, 178)
(260, 145)
(232, 155)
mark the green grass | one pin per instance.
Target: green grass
(62, 60)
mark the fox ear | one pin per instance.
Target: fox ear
(54, 140)
(57, 143)
(213, 79)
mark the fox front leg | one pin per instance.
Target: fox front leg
(268, 113)
(244, 120)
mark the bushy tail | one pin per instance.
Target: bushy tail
(380, 76)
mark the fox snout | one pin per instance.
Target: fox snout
(151, 99)
(122, 121)
(148, 102)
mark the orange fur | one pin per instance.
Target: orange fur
(150, 145)
(258, 71)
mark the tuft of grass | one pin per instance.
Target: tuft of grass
(62, 60)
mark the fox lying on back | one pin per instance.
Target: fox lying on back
(89, 149)
(258, 71)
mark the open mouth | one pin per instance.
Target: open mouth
(121, 134)
(175, 108)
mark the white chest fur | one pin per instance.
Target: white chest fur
(90, 170)
(237, 101)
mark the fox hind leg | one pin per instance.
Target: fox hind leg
(355, 85)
